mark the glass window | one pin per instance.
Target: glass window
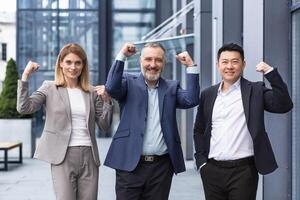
(131, 21)
(44, 26)
(42, 33)
(137, 4)
(127, 33)
(46, 4)
(38, 34)
(78, 4)
(296, 1)
(62, 4)
(296, 99)
(82, 28)
(3, 51)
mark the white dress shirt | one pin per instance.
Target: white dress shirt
(230, 137)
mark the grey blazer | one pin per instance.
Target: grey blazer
(55, 138)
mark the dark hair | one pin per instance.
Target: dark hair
(231, 47)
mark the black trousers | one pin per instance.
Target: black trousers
(229, 182)
(151, 180)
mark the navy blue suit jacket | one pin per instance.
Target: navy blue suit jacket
(256, 98)
(131, 93)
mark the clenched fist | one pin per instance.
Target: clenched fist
(100, 89)
(263, 67)
(29, 69)
(185, 59)
(128, 49)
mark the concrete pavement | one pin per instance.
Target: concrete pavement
(32, 181)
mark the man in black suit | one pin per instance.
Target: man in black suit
(229, 134)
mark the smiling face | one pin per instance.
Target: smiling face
(230, 66)
(152, 63)
(71, 66)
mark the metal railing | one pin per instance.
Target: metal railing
(166, 27)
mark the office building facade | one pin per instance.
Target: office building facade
(268, 30)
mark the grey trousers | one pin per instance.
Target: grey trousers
(76, 178)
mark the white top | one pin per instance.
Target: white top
(80, 135)
(230, 137)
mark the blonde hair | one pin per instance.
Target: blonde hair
(83, 79)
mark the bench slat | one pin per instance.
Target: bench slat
(9, 145)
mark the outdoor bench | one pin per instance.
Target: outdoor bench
(5, 146)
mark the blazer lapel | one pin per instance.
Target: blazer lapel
(86, 98)
(246, 92)
(162, 88)
(65, 99)
(211, 100)
(143, 90)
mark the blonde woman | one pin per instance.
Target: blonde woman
(72, 105)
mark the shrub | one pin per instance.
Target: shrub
(8, 97)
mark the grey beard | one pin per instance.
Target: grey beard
(152, 78)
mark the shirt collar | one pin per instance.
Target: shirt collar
(235, 85)
(152, 87)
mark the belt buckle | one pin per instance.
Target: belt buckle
(149, 158)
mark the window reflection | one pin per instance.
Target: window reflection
(50, 4)
(137, 4)
(42, 32)
(44, 26)
(131, 21)
(296, 1)
(61, 4)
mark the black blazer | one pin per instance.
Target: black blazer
(256, 98)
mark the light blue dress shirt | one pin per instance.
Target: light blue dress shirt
(154, 143)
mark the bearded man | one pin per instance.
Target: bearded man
(145, 150)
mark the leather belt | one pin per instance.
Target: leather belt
(153, 158)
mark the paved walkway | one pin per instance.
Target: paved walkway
(32, 181)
